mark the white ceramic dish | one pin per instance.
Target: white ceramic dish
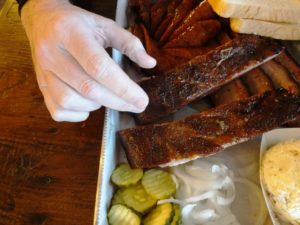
(270, 139)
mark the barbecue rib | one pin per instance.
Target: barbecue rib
(287, 61)
(157, 13)
(202, 12)
(171, 8)
(280, 76)
(257, 82)
(168, 58)
(233, 91)
(203, 74)
(196, 35)
(181, 12)
(209, 132)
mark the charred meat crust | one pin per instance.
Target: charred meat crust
(203, 74)
(208, 132)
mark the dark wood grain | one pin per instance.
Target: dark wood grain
(48, 170)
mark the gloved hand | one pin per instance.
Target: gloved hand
(74, 72)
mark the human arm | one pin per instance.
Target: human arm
(74, 72)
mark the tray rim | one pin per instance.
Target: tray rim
(108, 146)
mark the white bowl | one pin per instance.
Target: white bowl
(270, 139)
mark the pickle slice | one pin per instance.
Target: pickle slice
(124, 176)
(159, 184)
(118, 197)
(161, 215)
(121, 215)
(177, 215)
(138, 199)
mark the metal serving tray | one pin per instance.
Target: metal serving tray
(111, 153)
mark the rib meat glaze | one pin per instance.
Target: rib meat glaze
(203, 74)
(209, 132)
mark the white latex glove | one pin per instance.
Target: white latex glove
(74, 72)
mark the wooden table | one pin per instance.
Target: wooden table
(48, 170)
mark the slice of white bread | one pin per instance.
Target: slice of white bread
(283, 31)
(270, 10)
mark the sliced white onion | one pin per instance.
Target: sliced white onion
(229, 189)
(181, 174)
(200, 173)
(184, 190)
(204, 215)
(204, 196)
(208, 212)
(171, 200)
(212, 179)
(193, 199)
(185, 214)
(216, 169)
(205, 192)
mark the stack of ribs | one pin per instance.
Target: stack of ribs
(251, 81)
